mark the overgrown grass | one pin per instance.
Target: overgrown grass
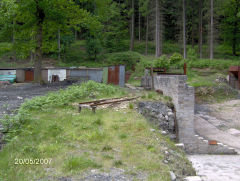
(207, 89)
(50, 127)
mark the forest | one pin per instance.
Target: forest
(93, 32)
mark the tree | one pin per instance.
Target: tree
(116, 27)
(211, 31)
(184, 29)
(144, 10)
(230, 26)
(132, 29)
(159, 31)
(38, 22)
(200, 40)
(93, 46)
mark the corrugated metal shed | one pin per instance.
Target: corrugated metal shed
(95, 74)
(234, 77)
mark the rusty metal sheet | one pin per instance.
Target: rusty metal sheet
(113, 75)
(29, 75)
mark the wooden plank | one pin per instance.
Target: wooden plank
(100, 100)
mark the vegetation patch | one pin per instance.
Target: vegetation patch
(78, 142)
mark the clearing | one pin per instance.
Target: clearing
(113, 144)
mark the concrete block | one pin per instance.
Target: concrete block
(193, 178)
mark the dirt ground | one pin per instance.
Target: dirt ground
(219, 122)
(229, 112)
(12, 96)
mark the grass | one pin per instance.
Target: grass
(77, 142)
(206, 87)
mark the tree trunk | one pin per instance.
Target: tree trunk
(59, 45)
(160, 32)
(235, 30)
(139, 25)
(13, 41)
(132, 27)
(200, 29)
(184, 31)
(38, 58)
(211, 33)
(157, 38)
(147, 29)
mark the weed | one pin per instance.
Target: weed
(123, 136)
(98, 122)
(115, 127)
(118, 163)
(75, 163)
(107, 148)
(131, 106)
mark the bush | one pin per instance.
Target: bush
(140, 67)
(175, 58)
(192, 55)
(71, 94)
(129, 59)
(161, 62)
(5, 48)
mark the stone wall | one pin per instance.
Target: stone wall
(159, 114)
(183, 97)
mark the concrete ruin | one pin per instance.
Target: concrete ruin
(183, 98)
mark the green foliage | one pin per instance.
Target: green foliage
(131, 106)
(5, 48)
(162, 62)
(124, 58)
(73, 93)
(230, 25)
(93, 47)
(116, 30)
(175, 58)
(213, 64)
(140, 66)
(192, 55)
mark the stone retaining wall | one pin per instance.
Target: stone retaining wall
(159, 114)
(183, 97)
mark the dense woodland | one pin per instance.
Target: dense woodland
(38, 28)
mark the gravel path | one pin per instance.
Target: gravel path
(217, 122)
(217, 167)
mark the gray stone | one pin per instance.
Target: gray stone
(157, 113)
(173, 176)
(193, 178)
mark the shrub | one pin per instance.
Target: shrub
(71, 94)
(192, 55)
(161, 62)
(129, 59)
(140, 67)
(175, 58)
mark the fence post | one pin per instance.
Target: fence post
(185, 68)
(152, 78)
(238, 77)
